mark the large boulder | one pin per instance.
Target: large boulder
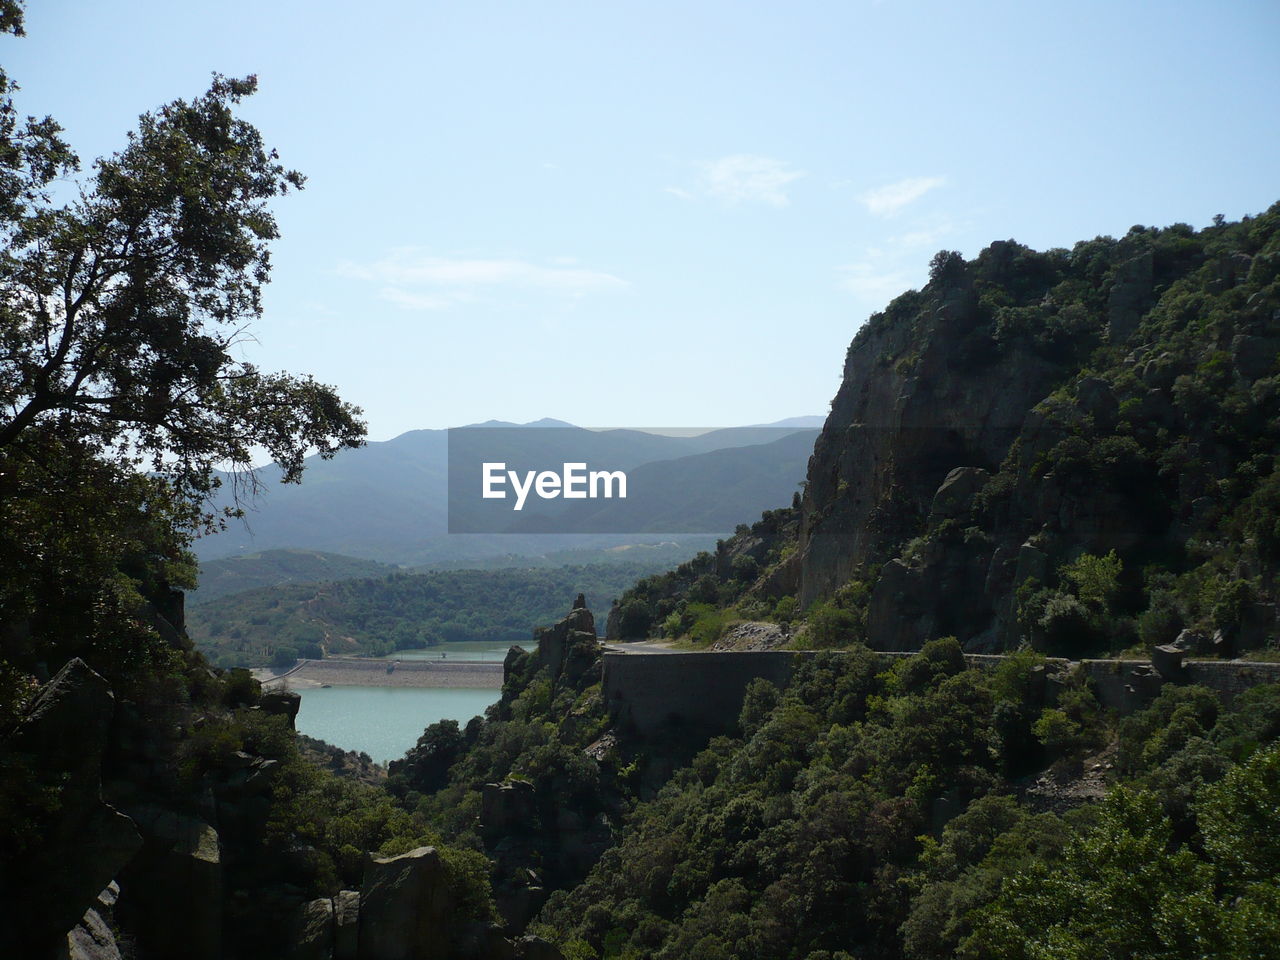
(406, 908)
(75, 847)
(92, 939)
(171, 894)
(314, 936)
(954, 497)
(507, 808)
(1130, 295)
(283, 703)
(346, 919)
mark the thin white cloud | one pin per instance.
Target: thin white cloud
(746, 178)
(415, 280)
(677, 192)
(926, 237)
(872, 282)
(419, 301)
(887, 200)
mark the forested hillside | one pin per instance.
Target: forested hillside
(220, 578)
(920, 810)
(375, 616)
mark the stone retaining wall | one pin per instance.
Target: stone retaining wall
(701, 693)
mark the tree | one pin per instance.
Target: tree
(122, 296)
(119, 309)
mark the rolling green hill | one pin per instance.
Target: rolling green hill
(374, 616)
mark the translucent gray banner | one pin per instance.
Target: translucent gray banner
(573, 480)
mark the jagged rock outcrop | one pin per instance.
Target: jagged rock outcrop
(346, 924)
(1026, 409)
(570, 648)
(1130, 294)
(922, 394)
(92, 938)
(405, 908)
(314, 939)
(171, 893)
(507, 808)
(77, 845)
(283, 703)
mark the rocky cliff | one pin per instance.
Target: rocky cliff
(1073, 447)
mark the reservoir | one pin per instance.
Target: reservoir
(385, 721)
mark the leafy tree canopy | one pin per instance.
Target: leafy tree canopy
(119, 308)
(123, 292)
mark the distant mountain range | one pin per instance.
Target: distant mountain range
(388, 501)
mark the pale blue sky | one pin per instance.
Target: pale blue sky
(664, 214)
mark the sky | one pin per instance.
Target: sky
(666, 214)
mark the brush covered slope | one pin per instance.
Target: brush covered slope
(920, 808)
(376, 616)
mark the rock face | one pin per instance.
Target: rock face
(91, 938)
(507, 808)
(171, 893)
(405, 908)
(77, 848)
(346, 919)
(955, 496)
(1130, 294)
(314, 939)
(921, 395)
(752, 635)
(570, 648)
(285, 703)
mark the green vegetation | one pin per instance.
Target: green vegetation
(880, 811)
(914, 809)
(1144, 487)
(220, 578)
(121, 393)
(377, 616)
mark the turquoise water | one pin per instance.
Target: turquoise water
(384, 722)
(494, 650)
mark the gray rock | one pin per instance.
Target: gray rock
(91, 939)
(171, 893)
(1097, 399)
(315, 931)
(1167, 660)
(405, 908)
(507, 807)
(1033, 563)
(896, 616)
(955, 496)
(1130, 295)
(752, 635)
(346, 918)
(78, 848)
(285, 703)
(1191, 641)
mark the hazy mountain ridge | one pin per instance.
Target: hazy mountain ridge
(388, 501)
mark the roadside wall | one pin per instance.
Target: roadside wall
(694, 692)
(702, 692)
